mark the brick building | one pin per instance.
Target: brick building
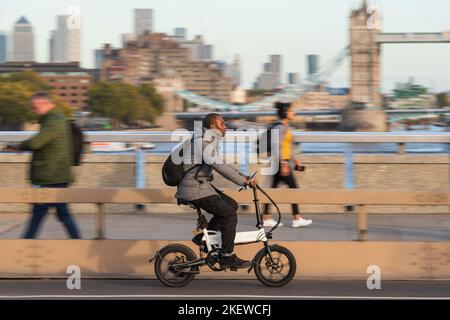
(67, 80)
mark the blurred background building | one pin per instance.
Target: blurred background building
(3, 46)
(65, 41)
(23, 41)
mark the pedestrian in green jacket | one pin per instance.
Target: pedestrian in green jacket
(51, 147)
(51, 162)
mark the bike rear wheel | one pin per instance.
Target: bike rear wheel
(167, 265)
(279, 270)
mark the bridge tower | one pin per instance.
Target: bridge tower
(365, 25)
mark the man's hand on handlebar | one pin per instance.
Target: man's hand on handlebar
(250, 182)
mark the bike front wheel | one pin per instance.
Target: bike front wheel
(169, 265)
(276, 269)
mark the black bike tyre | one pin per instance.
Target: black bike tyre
(174, 248)
(268, 282)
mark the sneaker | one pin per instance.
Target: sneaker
(233, 262)
(301, 223)
(271, 223)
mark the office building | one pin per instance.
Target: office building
(313, 64)
(208, 52)
(65, 41)
(98, 57)
(270, 78)
(23, 41)
(3, 47)
(293, 78)
(195, 48)
(181, 33)
(143, 21)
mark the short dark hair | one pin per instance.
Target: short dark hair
(282, 108)
(41, 95)
(209, 119)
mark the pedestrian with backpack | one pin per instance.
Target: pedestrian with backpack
(53, 157)
(287, 162)
(194, 185)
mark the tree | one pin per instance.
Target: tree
(122, 102)
(132, 102)
(442, 100)
(103, 99)
(32, 79)
(62, 106)
(156, 101)
(149, 114)
(409, 90)
(15, 107)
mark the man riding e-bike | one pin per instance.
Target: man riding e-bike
(197, 189)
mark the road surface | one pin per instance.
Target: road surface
(221, 289)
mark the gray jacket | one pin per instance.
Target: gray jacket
(197, 183)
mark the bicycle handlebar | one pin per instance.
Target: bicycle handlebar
(256, 186)
(249, 178)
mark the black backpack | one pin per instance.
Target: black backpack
(266, 137)
(172, 173)
(77, 142)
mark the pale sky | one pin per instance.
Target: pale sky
(257, 28)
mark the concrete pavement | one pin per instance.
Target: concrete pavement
(178, 226)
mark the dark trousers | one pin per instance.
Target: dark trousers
(290, 181)
(224, 211)
(62, 211)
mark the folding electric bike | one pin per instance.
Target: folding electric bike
(176, 265)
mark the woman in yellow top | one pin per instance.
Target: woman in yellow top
(288, 163)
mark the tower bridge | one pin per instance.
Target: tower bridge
(364, 50)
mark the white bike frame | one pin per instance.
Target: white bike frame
(213, 239)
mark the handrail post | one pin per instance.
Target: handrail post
(401, 148)
(100, 229)
(140, 177)
(362, 223)
(349, 174)
(245, 165)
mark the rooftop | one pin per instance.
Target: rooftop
(22, 20)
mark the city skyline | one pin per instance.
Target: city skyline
(325, 21)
